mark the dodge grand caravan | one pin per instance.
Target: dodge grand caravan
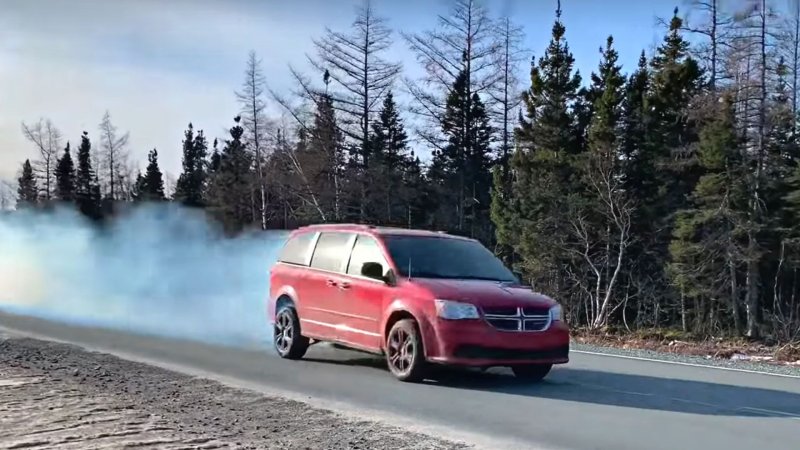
(416, 297)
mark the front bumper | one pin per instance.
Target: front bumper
(476, 343)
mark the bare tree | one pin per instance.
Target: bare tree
(465, 40)
(360, 75)
(47, 139)
(603, 253)
(304, 190)
(508, 97)
(789, 49)
(115, 155)
(251, 99)
(309, 166)
(757, 36)
(357, 78)
(715, 26)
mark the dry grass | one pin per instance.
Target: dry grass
(680, 342)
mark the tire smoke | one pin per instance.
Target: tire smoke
(159, 269)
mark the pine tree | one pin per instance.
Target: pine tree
(706, 247)
(191, 186)
(324, 160)
(150, 186)
(139, 187)
(65, 177)
(419, 199)
(215, 160)
(230, 189)
(463, 165)
(607, 86)
(502, 215)
(676, 80)
(639, 170)
(782, 153)
(87, 187)
(543, 166)
(389, 194)
(602, 222)
(665, 170)
(27, 191)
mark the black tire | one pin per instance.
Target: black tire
(286, 335)
(405, 354)
(532, 372)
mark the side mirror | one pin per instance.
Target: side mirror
(375, 271)
(519, 276)
(372, 270)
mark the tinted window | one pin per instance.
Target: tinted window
(433, 257)
(365, 250)
(330, 252)
(296, 249)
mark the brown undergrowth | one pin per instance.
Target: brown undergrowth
(682, 343)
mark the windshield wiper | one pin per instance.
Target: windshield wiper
(480, 278)
(415, 274)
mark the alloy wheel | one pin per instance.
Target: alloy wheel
(401, 350)
(284, 331)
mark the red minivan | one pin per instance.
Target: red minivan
(416, 297)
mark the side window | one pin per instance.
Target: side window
(330, 251)
(296, 249)
(365, 250)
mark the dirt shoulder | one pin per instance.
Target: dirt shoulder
(677, 343)
(58, 396)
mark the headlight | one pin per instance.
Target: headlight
(448, 309)
(556, 313)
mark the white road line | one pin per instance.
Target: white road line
(678, 363)
(769, 411)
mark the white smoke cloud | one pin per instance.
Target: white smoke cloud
(159, 269)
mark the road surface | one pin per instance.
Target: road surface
(595, 402)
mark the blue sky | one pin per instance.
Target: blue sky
(158, 64)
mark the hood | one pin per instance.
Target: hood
(482, 293)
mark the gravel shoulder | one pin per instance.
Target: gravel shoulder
(59, 396)
(754, 365)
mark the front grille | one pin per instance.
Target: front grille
(501, 311)
(480, 352)
(513, 310)
(518, 318)
(536, 311)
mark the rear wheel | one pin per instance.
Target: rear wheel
(404, 351)
(532, 372)
(288, 341)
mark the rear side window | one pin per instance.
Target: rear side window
(330, 251)
(296, 249)
(366, 250)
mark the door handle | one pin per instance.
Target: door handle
(331, 283)
(344, 285)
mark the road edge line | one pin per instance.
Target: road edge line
(680, 363)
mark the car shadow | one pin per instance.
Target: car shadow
(611, 389)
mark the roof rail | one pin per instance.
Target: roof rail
(337, 225)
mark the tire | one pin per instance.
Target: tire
(405, 353)
(532, 372)
(286, 336)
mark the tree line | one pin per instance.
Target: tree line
(667, 197)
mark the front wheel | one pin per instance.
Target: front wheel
(532, 372)
(288, 341)
(404, 351)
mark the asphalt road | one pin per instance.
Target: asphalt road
(594, 402)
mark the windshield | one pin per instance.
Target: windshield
(435, 257)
